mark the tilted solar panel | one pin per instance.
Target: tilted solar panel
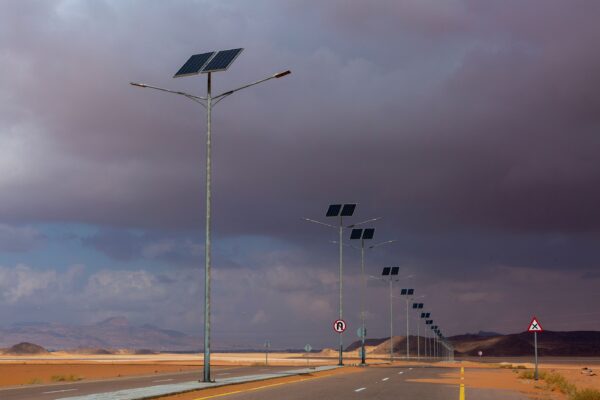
(356, 234)
(194, 64)
(348, 210)
(333, 210)
(368, 233)
(222, 60)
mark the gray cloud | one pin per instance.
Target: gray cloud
(470, 126)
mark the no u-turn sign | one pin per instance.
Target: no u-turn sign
(339, 325)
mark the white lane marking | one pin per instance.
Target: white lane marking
(59, 391)
(163, 380)
(224, 373)
(384, 379)
(410, 369)
(400, 373)
(359, 390)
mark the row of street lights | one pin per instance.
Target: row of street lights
(389, 274)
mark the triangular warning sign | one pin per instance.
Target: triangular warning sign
(535, 326)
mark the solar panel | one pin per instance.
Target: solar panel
(395, 270)
(410, 292)
(222, 60)
(415, 305)
(386, 271)
(427, 315)
(333, 210)
(420, 305)
(368, 234)
(194, 64)
(403, 292)
(356, 234)
(422, 315)
(348, 210)
(428, 322)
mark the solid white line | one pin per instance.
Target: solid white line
(360, 389)
(385, 379)
(163, 380)
(224, 373)
(59, 391)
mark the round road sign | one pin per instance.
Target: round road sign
(308, 348)
(339, 325)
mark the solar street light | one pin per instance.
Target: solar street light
(340, 211)
(208, 63)
(418, 306)
(409, 293)
(362, 235)
(391, 274)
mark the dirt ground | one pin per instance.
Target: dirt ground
(27, 373)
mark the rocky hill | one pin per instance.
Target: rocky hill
(575, 343)
(25, 348)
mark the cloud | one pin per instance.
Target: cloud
(19, 239)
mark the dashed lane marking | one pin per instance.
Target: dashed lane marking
(59, 391)
(385, 379)
(360, 389)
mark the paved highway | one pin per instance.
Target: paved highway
(59, 390)
(381, 383)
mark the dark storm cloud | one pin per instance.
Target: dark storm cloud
(472, 127)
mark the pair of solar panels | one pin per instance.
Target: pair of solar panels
(362, 233)
(429, 322)
(208, 62)
(407, 292)
(425, 315)
(434, 327)
(417, 305)
(390, 271)
(339, 210)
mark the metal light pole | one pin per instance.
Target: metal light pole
(424, 315)
(418, 306)
(208, 63)
(391, 272)
(364, 234)
(341, 211)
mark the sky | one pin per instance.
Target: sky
(472, 128)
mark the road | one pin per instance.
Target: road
(381, 383)
(59, 390)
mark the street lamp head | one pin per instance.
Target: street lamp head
(282, 74)
(138, 84)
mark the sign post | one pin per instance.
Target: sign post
(267, 345)
(308, 349)
(535, 327)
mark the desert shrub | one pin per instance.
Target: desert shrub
(529, 374)
(585, 394)
(65, 378)
(558, 382)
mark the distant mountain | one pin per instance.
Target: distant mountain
(112, 333)
(26, 349)
(575, 343)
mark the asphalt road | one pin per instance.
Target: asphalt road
(59, 390)
(375, 384)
